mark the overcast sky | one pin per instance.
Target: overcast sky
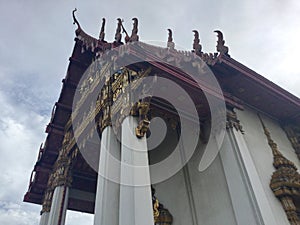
(37, 40)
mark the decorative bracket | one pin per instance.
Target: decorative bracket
(142, 110)
(233, 121)
(142, 128)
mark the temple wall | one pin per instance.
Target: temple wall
(194, 197)
(235, 188)
(261, 154)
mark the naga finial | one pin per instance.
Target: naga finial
(102, 33)
(134, 36)
(197, 47)
(221, 43)
(118, 35)
(170, 43)
(75, 21)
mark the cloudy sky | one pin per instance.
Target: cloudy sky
(37, 40)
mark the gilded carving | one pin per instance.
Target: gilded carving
(142, 128)
(61, 175)
(285, 181)
(141, 109)
(62, 171)
(293, 134)
(47, 201)
(161, 215)
(233, 121)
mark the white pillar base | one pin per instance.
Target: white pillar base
(107, 196)
(58, 207)
(135, 190)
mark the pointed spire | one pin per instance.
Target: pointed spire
(221, 43)
(102, 33)
(197, 47)
(170, 44)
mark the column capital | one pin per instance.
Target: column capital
(47, 201)
(62, 174)
(46, 206)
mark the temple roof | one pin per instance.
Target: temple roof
(242, 87)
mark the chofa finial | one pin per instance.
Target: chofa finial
(134, 36)
(75, 21)
(197, 47)
(102, 33)
(221, 43)
(170, 44)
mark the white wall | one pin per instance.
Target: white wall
(197, 198)
(261, 153)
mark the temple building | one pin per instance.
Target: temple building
(145, 135)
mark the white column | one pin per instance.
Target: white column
(59, 205)
(44, 218)
(107, 195)
(249, 200)
(135, 201)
